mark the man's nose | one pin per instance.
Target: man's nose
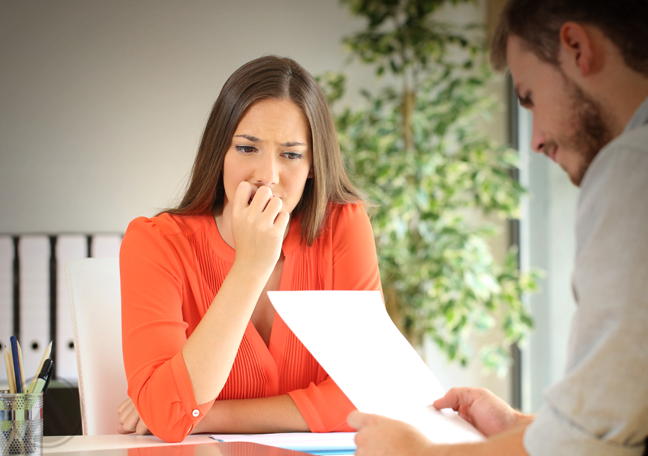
(538, 138)
(266, 172)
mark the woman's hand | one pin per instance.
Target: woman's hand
(129, 419)
(489, 414)
(258, 228)
(381, 436)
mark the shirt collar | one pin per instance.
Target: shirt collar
(639, 118)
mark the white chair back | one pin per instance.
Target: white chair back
(95, 304)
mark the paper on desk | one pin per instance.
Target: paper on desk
(333, 443)
(350, 334)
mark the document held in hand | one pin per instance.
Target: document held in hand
(352, 337)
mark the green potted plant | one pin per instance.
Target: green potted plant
(417, 153)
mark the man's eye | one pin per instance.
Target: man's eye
(292, 155)
(246, 149)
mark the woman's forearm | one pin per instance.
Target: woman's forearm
(253, 416)
(210, 351)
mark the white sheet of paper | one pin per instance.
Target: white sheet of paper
(298, 441)
(352, 337)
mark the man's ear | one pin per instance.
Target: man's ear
(576, 53)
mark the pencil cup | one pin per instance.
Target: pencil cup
(21, 424)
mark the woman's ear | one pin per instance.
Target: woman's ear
(310, 172)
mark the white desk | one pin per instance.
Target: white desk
(82, 443)
(148, 445)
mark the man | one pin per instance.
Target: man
(581, 67)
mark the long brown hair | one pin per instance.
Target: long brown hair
(271, 77)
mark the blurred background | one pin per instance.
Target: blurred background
(102, 105)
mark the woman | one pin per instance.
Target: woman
(268, 207)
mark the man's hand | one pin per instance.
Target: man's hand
(481, 408)
(129, 419)
(378, 436)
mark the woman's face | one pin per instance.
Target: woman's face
(271, 147)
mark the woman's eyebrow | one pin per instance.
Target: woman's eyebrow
(285, 144)
(249, 138)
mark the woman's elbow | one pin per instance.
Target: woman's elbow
(173, 434)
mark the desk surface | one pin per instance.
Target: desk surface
(82, 443)
(148, 445)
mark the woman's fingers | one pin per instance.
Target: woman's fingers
(141, 428)
(130, 422)
(126, 410)
(262, 204)
(260, 199)
(244, 192)
(281, 222)
(123, 405)
(272, 210)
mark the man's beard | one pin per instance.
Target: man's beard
(592, 130)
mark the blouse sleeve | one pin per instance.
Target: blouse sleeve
(154, 332)
(354, 267)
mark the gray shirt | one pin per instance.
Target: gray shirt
(601, 405)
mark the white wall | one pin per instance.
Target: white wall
(103, 103)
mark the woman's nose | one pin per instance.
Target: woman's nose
(266, 172)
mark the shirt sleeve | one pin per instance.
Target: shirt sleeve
(601, 405)
(354, 267)
(154, 332)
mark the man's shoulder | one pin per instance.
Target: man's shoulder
(613, 191)
(623, 158)
(635, 139)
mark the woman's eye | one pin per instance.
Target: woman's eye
(246, 149)
(292, 155)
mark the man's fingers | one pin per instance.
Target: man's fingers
(459, 397)
(357, 420)
(450, 400)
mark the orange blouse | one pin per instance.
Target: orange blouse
(171, 269)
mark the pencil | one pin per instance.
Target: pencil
(10, 372)
(22, 369)
(46, 355)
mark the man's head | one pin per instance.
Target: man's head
(567, 58)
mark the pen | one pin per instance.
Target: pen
(48, 350)
(16, 364)
(10, 374)
(44, 377)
